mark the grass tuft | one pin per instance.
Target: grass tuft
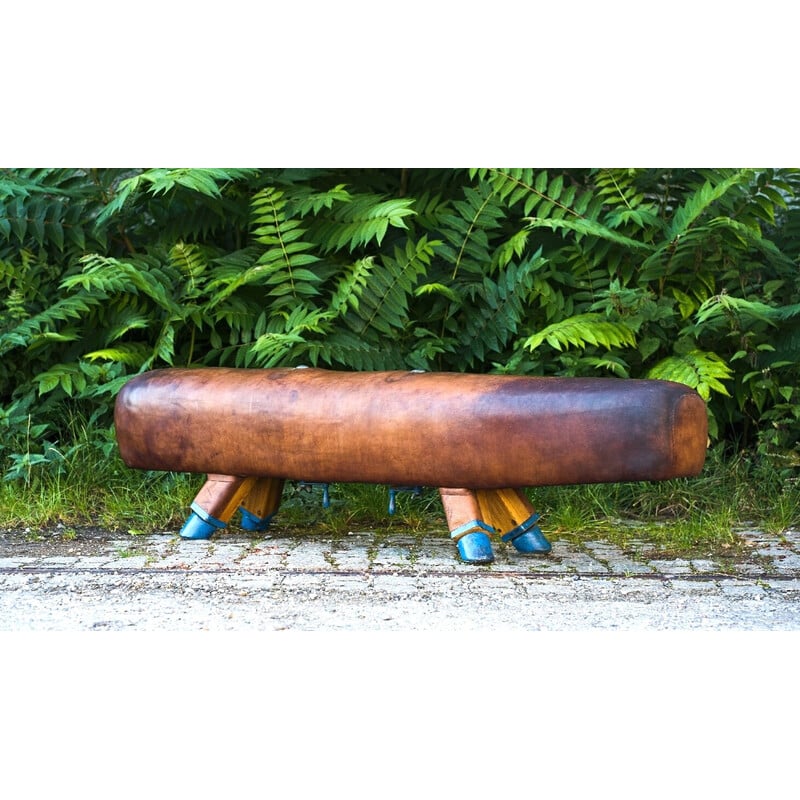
(92, 487)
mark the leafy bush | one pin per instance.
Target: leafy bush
(688, 275)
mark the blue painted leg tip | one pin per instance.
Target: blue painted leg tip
(250, 522)
(532, 541)
(197, 528)
(475, 548)
(255, 523)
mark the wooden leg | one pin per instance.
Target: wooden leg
(513, 515)
(215, 504)
(261, 503)
(467, 528)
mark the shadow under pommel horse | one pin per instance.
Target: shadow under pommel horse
(480, 439)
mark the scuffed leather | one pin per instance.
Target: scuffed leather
(429, 429)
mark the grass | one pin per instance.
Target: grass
(98, 491)
(680, 516)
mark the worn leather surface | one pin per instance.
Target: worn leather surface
(429, 429)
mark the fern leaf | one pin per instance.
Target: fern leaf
(723, 306)
(359, 221)
(205, 182)
(48, 207)
(343, 348)
(351, 284)
(164, 349)
(438, 288)
(279, 345)
(582, 330)
(703, 371)
(188, 259)
(617, 187)
(304, 200)
(466, 242)
(124, 318)
(700, 200)
(382, 301)
(132, 354)
(613, 364)
(548, 196)
(73, 307)
(496, 307)
(109, 276)
(587, 227)
(284, 256)
(514, 247)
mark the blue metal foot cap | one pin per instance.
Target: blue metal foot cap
(475, 548)
(532, 541)
(196, 527)
(250, 522)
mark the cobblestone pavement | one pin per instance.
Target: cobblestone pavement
(385, 581)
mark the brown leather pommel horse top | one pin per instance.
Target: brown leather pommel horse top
(478, 438)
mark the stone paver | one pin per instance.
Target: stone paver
(386, 581)
(615, 560)
(678, 566)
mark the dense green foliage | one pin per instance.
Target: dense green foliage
(689, 275)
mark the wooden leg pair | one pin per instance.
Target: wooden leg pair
(473, 515)
(222, 495)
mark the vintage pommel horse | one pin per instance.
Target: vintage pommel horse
(480, 439)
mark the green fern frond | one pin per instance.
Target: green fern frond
(582, 330)
(274, 349)
(642, 217)
(345, 349)
(51, 208)
(278, 260)
(613, 364)
(700, 370)
(429, 209)
(553, 197)
(786, 312)
(27, 182)
(68, 334)
(125, 319)
(189, 260)
(587, 227)
(285, 332)
(496, 307)
(283, 263)
(440, 289)
(722, 307)
(204, 181)
(164, 349)
(227, 269)
(359, 221)
(699, 202)
(72, 307)
(514, 247)
(466, 229)
(240, 315)
(743, 236)
(133, 354)
(351, 284)
(105, 276)
(382, 301)
(160, 181)
(305, 200)
(618, 187)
